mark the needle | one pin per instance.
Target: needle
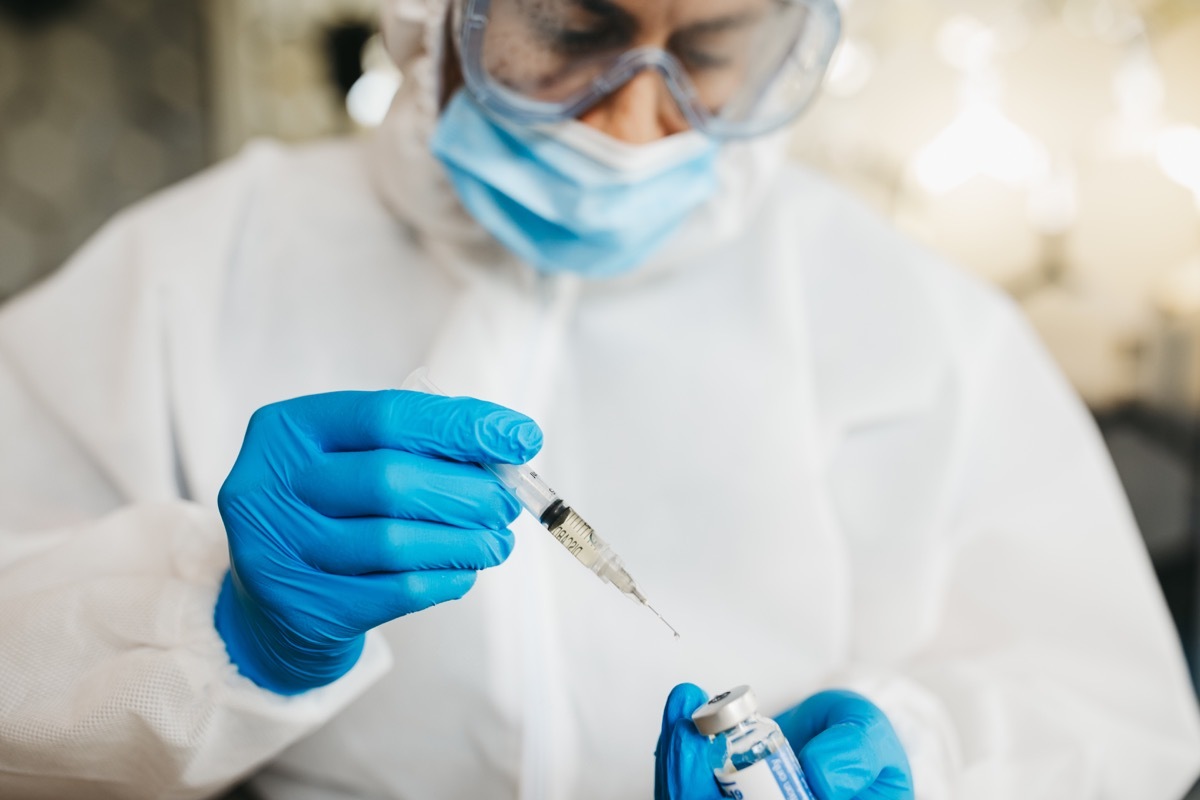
(664, 621)
(640, 597)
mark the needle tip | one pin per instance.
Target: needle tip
(664, 621)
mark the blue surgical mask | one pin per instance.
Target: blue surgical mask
(567, 198)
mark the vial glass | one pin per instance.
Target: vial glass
(759, 763)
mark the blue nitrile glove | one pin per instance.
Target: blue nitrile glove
(346, 510)
(845, 745)
(685, 758)
(847, 748)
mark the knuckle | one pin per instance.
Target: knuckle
(422, 590)
(392, 413)
(413, 587)
(227, 495)
(492, 497)
(507, 506)
(497, 546)
(378, 414)
(234, 506)
(393, 401)
(392, 544)
(462, 584)
(394, 536)
(265, 417)
(384, 477)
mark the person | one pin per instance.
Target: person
(846, 472)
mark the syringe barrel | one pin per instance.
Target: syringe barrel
(582, 541)
(418, 381)
(530, 490)
(571, 531)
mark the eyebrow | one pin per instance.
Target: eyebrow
(608, 10)
(721, 24)
(615, 12)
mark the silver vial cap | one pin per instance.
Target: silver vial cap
(725, 711)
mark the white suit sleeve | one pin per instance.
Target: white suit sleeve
(113, 680)
(1046, 665)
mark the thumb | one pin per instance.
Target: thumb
(684, 757)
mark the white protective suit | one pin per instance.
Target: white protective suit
(828, 458)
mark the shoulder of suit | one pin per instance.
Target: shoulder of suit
(891, 323)
(266, 175)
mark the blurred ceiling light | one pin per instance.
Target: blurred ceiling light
(1053, 203)
(852, 66)
(369, 98)
(1178, 154)
(1178, 293)
(1138, 86)
(1109, 20)
(982, 88)
(965, 43)
(981, 141)
(1139, 93)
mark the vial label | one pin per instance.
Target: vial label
(776, 777)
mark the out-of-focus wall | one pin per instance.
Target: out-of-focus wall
(1052, 148)
(271, 71)
(99, 105)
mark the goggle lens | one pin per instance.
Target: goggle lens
(735, 67)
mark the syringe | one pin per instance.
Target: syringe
(564, 524)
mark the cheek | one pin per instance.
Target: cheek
(719, 87)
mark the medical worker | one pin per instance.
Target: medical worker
(847, 473)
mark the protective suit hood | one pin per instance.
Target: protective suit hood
(415, 188)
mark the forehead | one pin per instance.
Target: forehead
(653, 13)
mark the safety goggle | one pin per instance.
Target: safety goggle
(733, 68)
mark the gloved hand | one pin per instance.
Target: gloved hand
(846, 748)
(685, 758)
(346, 510)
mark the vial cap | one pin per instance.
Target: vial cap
(725, 711)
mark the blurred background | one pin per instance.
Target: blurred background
(1051, 147)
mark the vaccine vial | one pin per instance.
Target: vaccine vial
(759, 762)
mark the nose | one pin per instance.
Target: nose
(639, 112)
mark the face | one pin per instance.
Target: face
(551, 50)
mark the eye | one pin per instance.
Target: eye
(581, 28)
(700, 61)
(585, 41)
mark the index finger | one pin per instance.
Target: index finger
(456, 428)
